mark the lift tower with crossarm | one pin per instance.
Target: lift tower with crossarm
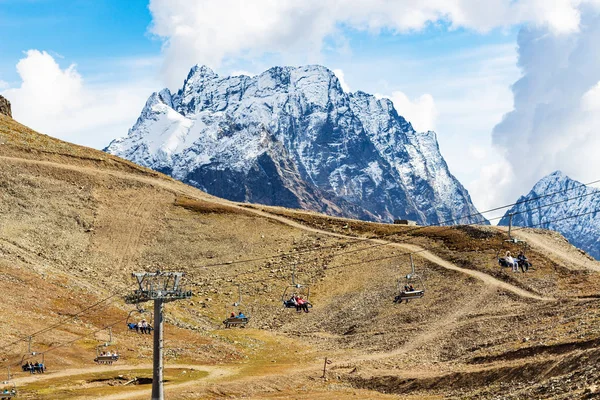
(160, 287)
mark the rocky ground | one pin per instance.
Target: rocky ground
(74, 224)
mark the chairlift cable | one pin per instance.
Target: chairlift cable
(405, 239)
(62, 322)
(443, 223)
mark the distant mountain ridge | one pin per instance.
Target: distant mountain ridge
(292, 137)
(567, 198)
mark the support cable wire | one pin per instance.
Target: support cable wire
(413, 252)
(70, 342)
(63, 321)
(409, 231)
(407, 238)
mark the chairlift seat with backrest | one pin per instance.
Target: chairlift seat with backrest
(28, 366)
(240, 320)
(411, 280)
(415, 294)
(104, 358)
(295, 289)
(235, 321)
(8, 394)
(9, 389)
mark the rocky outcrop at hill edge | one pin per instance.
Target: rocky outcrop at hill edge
(5, 107)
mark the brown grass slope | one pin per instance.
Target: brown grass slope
(75, 222)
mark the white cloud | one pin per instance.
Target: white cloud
(494, 186)
(241, 72)
(554, 124)
(420, 112)
(57, 101)
(340, 75)
(3, 84)
(207, 32)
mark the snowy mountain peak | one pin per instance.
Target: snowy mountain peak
(198, 72)
(291, 136)
(562, 204)
(556, 177)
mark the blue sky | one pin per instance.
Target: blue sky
(82, 70)
(84, 32)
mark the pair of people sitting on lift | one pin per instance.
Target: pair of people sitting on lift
(240, 315)
(33, 368)
(299, 303)
(143, 327)
(11, 392)
(409, 288)
(514, 263)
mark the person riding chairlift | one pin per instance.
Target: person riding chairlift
(302, 304)
(512, 262)
(145, 327)
(241, 315)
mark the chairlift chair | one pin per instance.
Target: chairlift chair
(133, 326)
(524, 264)
(26, 367)
(9, 388)
(235, 320)
(103, 358)
(413, 279)
(295, 289)
(41, 368)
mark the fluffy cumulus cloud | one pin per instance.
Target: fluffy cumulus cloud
(556, 116)
(420, 112)
(208, 32)
(56, 101)
(341, 77)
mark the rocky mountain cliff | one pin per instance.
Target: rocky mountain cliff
(5, 107)
(292, 137)
(567, 198)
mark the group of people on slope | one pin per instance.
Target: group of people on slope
(521, 260)
(141, 327)
(109, 354)
(299, 302)
(34, 367)
(240, 315)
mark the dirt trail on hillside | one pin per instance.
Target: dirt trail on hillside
(558, 251)
(487, 279)
(213, 372)
(180, 188)
(443, 326)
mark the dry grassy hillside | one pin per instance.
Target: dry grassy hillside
(75, 222)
